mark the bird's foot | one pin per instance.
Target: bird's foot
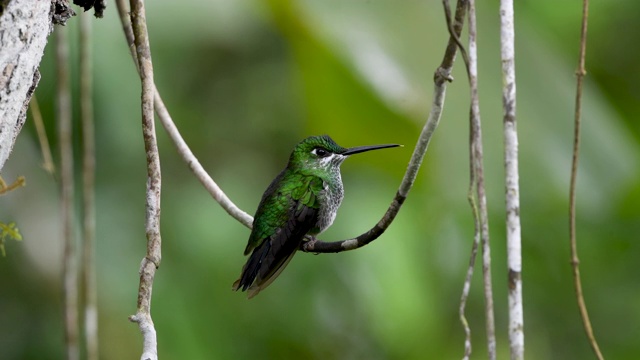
(308, 244)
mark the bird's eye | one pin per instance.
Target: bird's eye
(320, 152)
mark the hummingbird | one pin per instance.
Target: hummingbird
(302, 200)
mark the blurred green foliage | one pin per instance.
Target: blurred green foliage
(245, 81)
(8, 231)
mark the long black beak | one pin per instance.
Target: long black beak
(360, 149)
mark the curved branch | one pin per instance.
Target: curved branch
(181, 145)
(441, 77)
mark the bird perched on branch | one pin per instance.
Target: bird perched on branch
(302, 200)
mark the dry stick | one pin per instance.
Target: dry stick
(441, 77)
(88, 265)
(70, 271)
(47, 159)
(514, 246)
(481, 221)
(575, 262)
(152, 260)
(181, 146)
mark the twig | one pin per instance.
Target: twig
(4, 188)
(441, 77)
(88, 265)
(47, 159)
(514, 255)
(481, 221)
(70, 269)
(456, 36)
(181, 146)
(575, 262)
(152, 260)
(472, 261)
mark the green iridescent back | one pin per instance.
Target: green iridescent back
(298, 185)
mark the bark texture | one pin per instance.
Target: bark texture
(24, 28)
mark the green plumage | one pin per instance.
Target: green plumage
(292, 188)
(303, 199)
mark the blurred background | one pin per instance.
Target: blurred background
(246, 80)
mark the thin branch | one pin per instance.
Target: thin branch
(441, 77)
(514, 246)
(47, 159)
(181, 145)
(88, 265)
(472, 261)
(478, 160)
(481, 223)
(575, 262)
(455, 36)
(472, 182)
(152, 260)
(4, 188)
(70, 270)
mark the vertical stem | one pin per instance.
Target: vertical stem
(477, 160)
(575, 262)
(47, 159)
(152, 259)
(88, 193)
(514, 246)
(70, 272)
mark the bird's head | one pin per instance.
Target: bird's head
(321, 152)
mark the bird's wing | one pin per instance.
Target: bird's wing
(275, 249)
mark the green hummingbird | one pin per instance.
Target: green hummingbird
(302, 200)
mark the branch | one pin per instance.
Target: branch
(441, 77)
(88, 265)
(481, 221)
(152, 260)
(455, 36)
(514, 256)
(575, 262)
(70, 270)
(24, 28)
(181, 145)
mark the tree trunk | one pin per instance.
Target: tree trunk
(25, 26)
